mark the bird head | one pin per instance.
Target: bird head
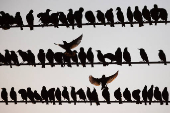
(6, 50)
(111, 9)
(18, 13)
(136, 8)
(75, 51)
(103, 76)
(160, 50)
(118, 9)
(155, 6)
(81, 9)
(31, 11)
(48, 10)
(129, 8)
(98, 51)
(81, 49)
(41, 50)
(98, 11)
(70, 10)
(145, 7)
(125, 49)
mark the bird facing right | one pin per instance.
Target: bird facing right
(162, 56)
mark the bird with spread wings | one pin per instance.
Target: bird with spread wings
(71, 45)
(103, 81)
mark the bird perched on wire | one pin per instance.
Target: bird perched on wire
(138, 16)
(78, 15)
(63, 19)
(75, 57)
(118, 56)
(130, 16)
(30, 95)
(4, 95)
(155, 13)
(58, 57)
(103, 81)
(106, 94)
(65, 94)
(145, 94)
(136, 96)
(30, 19)
(18, 20)
(50, 57)
(44, 17)
(4, 20)
(162, 56)
(81, 94)
(101, 58)
(82, 56)
(163, 14)
(165, 95)
(23, 93)
(37, 96)
(2, 59)
(73, 94)
(41, 57)
(44, 94)
(90, 17)
(95, 97)
(71, 45)
(51, 95)
(70, 18)
(54, 19)
(101, 17)
(150, 94)
(14, 58)
(23, 55)
(13, 95)
(31, 58)
(67, 60)
(110, 56)
(90, 56)
(158, 95)
(126, 56)
(110, 17)
(120, 16)
(8, 58)
(127, 95)
(146, 14)
(89, 95)
(143, 55)
(118, 95)
(58, 95)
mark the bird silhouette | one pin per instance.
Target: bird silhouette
(78, 15)
(110, 56)
(71, 45)
(14, 58)
(143, 55)
(95, 97)
(44, 17)
(30, 19)
(82, 56)
(31, 58)
(90, 56)
(51, 95)
(100, 16)
(110, 17)
(75, 57)
(136, 96)
(4, 20)
(126, 56)
(118, 95)
(50, 57)
(103, 81)
(127, 95)
(150, 94)
(101, 58)
(163, 14)
(54, 19)
(58, 57)
(90, 17)
(8, 58)
(30, 95)
(73, 94)
(146, 14)
(63, 19)
(2, 59)
(58, 95)
(41, 57)
(138, 16)
(13, 95)
(44, 94)
(158, 95)
(120, 16)
(23, 55)
(18, 20)
(162, 56)
(145, 94)
(81, 94)
(89, 95)
(37, 96)
(106, 95)
(67, 59)
(23, 93)
(65, 94)
(70, 18)
(130, 16)
(155, 13)
(165, 95)
(4, 95)
(118, 55)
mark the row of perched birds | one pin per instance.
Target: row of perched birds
(52, 94)
(11, 57)
(7, 20)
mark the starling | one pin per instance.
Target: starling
(58, 57)
(30, 95)
(41, 57)
(138, 16)
(144, 94)
(82, 56)
(23, 55)
(136, 96)
(150, 94)
(118, 55)
(51, 95)
(13, 95)
(90, 17)
(18, 20)
(23, 93)
(75, 57)
(127, 95)
(31, 58)
(37, 96)
(50, 57)
(89, 95)
(165, 95)
(95, 97)
(14, 58)
(78, 15)
(162, 56)
(4, 95)
(146, 14)
(44, 94)
(58, 95)
(120, 16)
(65, 94)
(130, 16)
(100, 57)
(118, 95)
(126, 56)
(110, 17)
(110, 56)
(90, 56)
(101, 17)
(163, 14)
(106, 95)
(155, 13)
(8, 57)
(63, 19)
(144, 55)
(30, 19)
(54, 19)
(44, 17)
(73, 95)
(70, 18)
(81, 94)
(157, 95)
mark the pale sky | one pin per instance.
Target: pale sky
(104, 38)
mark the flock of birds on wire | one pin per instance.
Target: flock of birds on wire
(75, 18)
(52, 94)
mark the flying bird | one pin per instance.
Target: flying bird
(126, 56)
(73, 94)
(150, 94)
(158, 95)
(90, 17)
(101, 17)
(13, 95)
(41, 57)
(4, 95)
(118, 95)
(143, 55)
(82, 56)
(146, 14)
(78, 15)
(70, 18)
(130, 16)
(30, 19)
(110, 17)
(162, 56)
(138, 16)
(106, 95)
(155, 13)
(120, 16)
(145, 94)
(127, 95)
(90, 56)
(165, 95)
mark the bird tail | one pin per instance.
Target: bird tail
(26, 101)
(97, 103)
(72, 26)
(43, 66)
(60, 103)
(123, 24)
(21, 28)
(53, 101)
(150, 22)
(92, 65)
(145, 103)
(130, 64)
(31, 28)
(10, 66)
(120, 101)
(165, 63)
(150, 102)
(108, 102)
(166, 102)
(74, 102)
(161, 102)
(148, 63)
(131, 25)
(15, 101)
(94, 25)
(6, 102)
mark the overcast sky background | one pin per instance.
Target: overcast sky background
(104, 38)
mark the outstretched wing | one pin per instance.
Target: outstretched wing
(94, 81)
(111, 78)
(76, 42)
(61, 45)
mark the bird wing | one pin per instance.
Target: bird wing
(76, 42)
(61, 45)
(111, 78)
(94, 81)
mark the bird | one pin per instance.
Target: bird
(67, 59)
(78, 15)
(13, 95)
(58, 57)
(14, 58)
(144, 56)
(118, 95)
(44, 94)
(162, 56)
(146, 14)
(2, 59)
(103, 81)
(118, 55)
(90, 17)
(50, 57)
(37, 96)
(81, 94)
(138, 16)
(126, 56)
(73, 94)
(44, 17)
(54, 19)
(130, 16)
(82, 56)
(18, 20)
(101, 58)
(110, 17)
(41, 57)
(89, 95)
(120, 16)
(95, 97)
(100, 16)
(136, 96)
(150, 94)
(51, 95)
(70, 18)
(8, 58)
(110, 56)
(30, 19)
(4, 20)
(127, 95)
(4, 95)
(23, 55)
(23, 93)
(63, 19)
(106, 95)
(158, 95)
(58, 95)
(30, 95)
(145, 94)
(75, 58)
(65, 94)
(165, 95)
(163, 14)
(90, 56)
(155, 13)
(71, 45)
(31, 58)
